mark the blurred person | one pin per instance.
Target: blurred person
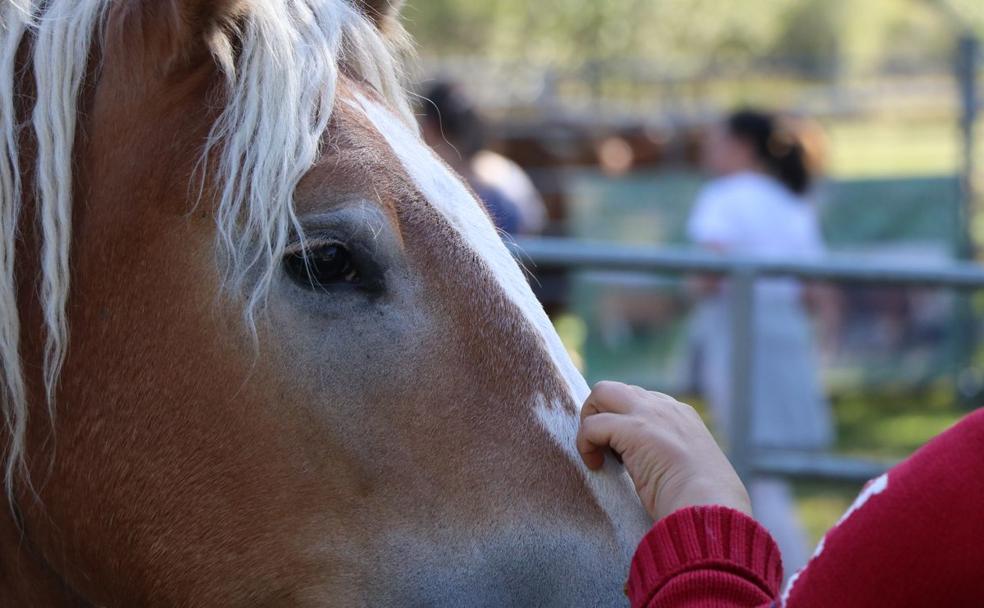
(453, 127)
(758, 203)
(912, 537)
(494, 170)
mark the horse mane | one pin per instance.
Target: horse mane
(280, 59)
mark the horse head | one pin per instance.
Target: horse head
(288, 359)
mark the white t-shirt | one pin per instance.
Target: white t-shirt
(755, 215)
(497, 171)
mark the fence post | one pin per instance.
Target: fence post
(962, 326)
(967, 61)
(742, 364)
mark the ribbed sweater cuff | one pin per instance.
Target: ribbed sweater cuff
(704, 538)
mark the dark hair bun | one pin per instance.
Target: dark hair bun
(776, 145)
(450, 111)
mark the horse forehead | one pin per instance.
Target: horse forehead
(397, 161)
(447, 193)
(353, 161)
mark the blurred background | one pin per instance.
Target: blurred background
(606, 106)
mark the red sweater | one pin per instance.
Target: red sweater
(914, 537)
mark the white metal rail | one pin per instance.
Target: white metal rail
(577, 254)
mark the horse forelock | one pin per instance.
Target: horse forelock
(281, 63)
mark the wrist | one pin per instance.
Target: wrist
(696, 492)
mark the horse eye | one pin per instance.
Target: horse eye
(321, 266)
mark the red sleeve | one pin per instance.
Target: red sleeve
(915, 536)
(705, 557)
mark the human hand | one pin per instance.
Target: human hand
(665, 447)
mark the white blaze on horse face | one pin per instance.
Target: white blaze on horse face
(448, 195)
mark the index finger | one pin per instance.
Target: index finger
(608, 397)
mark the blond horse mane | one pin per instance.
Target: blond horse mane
(280, 90)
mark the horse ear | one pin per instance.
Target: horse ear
(384, 13)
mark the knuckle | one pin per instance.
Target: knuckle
(606, 388)
(663, 397)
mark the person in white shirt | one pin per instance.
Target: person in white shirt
(758, 204)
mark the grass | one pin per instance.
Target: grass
(820, 504)
(892, 424)
(880, 148)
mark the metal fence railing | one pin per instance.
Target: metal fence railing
(575, 254)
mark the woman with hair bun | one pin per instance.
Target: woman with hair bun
(758, 204)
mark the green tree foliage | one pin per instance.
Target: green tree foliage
(968, 12)
(824, 37)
